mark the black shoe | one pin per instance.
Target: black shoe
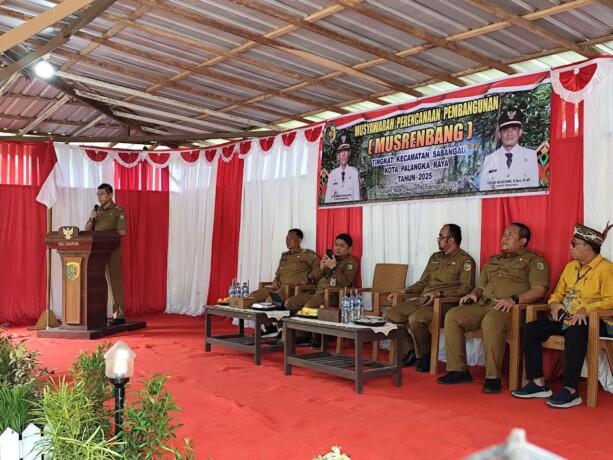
(454, 377)
(423, 364)
(492, 386)
(270, 330)
(116, 322)
(409, 359)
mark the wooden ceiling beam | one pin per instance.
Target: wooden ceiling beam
(534, 28)
(40, 22)
(262, 40)
(192, 69)
(42, 116)
(424, 35)
(357, 44)
(529, 17)
(233, 54)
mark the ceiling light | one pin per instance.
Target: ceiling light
(44, 69)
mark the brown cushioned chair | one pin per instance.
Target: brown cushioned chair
(595, 343)
(387, 278)
(513, 338)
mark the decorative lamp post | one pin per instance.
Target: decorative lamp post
(119, 368)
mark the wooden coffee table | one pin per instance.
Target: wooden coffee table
(353, 367)
(255, 344)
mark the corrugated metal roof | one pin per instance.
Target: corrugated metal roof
(239, 65)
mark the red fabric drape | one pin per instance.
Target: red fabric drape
(143, 192)
(226, 228)
(23, 224)
(331, 222)
(551, 218)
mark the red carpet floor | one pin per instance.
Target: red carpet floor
(236, 410)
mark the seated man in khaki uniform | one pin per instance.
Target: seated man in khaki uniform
(336, 271)
(297, 266)
(585, 285)
(515, 276)
(450, 272)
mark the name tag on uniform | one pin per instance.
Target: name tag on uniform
(332, 281)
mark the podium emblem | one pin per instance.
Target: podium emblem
(67, 231)
(73, 270)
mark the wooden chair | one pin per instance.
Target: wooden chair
(288, 288)
(386, 279)
(594, 344)
(513, 338)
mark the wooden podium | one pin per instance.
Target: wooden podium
(84, 286)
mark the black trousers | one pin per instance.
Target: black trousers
(575, 346)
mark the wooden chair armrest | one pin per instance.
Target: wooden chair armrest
(599, 314)
(332, 291)
(443, 300)
(399, 297)
(532, 311)
(263, 284)
(299, 288)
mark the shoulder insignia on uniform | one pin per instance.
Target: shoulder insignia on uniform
(121, 216)
(467, 266)
(540, 265)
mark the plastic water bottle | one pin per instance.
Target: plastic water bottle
(360, 306)
(346, 309)
(233, 293)
(355, 308)
(245, 292)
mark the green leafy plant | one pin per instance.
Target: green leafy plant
(15, 407)
(89, 368)
(72, 427)
(18, 365)
(149, 429)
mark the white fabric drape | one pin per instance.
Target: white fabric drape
(597, 155)
(75, 201)
(406, 233)
(190, 234)
(279, 193)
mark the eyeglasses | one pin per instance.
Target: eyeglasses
(439, 238)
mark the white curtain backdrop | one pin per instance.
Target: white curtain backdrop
(279, 193)
(190, 234)
(406, 233)
(75, 201)
(598, 154)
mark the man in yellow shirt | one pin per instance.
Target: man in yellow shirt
(585, 285)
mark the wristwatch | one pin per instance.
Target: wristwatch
(515, 298)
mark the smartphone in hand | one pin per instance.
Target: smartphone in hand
(329, 253)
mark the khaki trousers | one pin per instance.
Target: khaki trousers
(417, 318)
(114, 276)
(466, 318)
(263, 295)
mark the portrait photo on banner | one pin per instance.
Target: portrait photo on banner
(496, 143)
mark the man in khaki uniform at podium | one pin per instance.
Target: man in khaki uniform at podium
(515, 276)
(297, 266)
(109, 217)
(450, 273)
